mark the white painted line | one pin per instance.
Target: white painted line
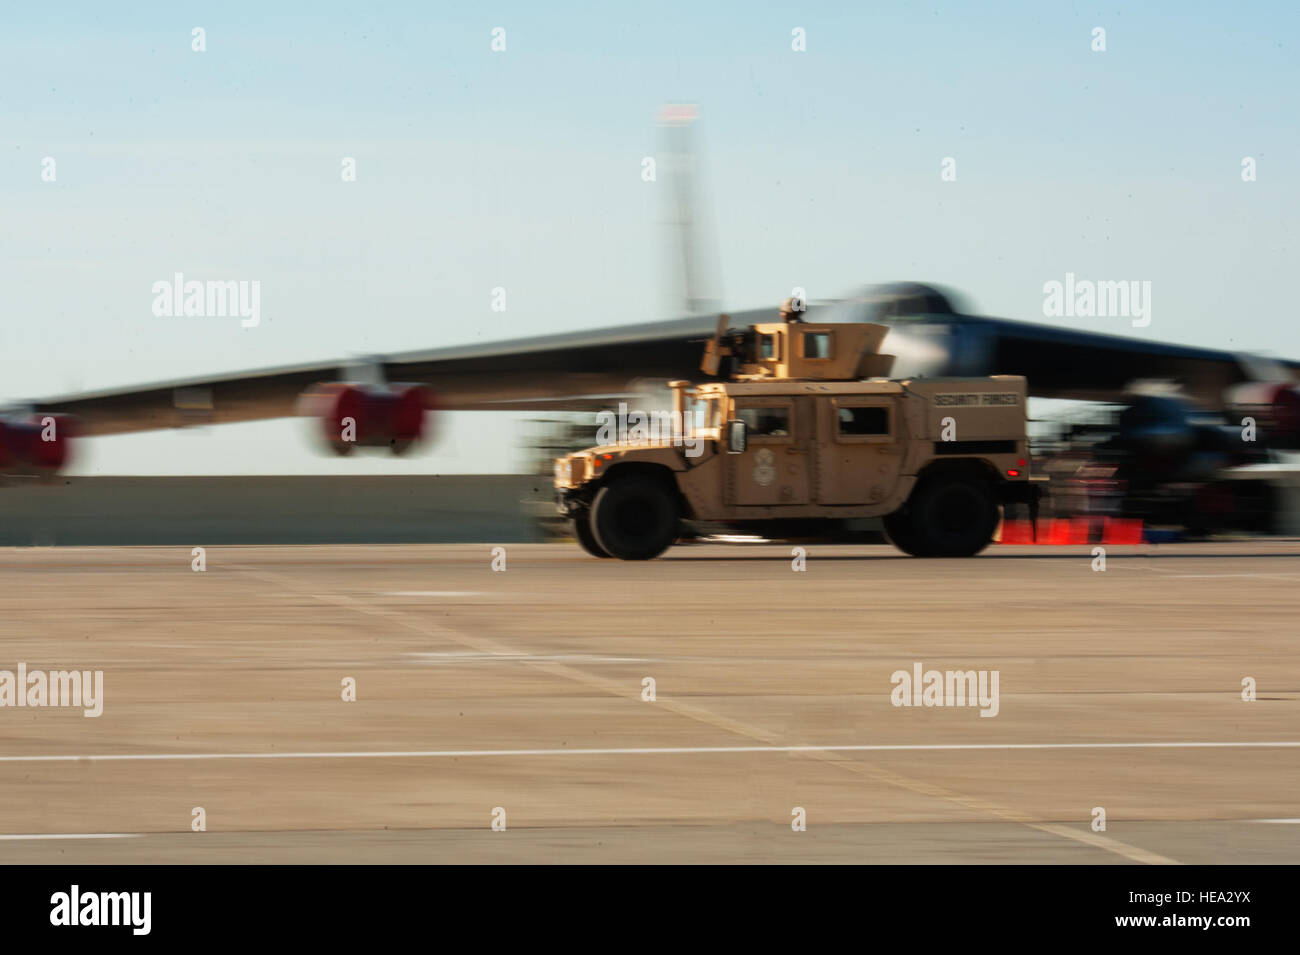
(1221, 576)
(1285, 822)
(71, 835)
(461, 656)
(1175, 574)
(430, 593)
(639, 751)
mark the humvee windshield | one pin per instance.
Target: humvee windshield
(705, 413)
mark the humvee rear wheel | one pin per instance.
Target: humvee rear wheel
(580, 523)
(634, 517)
(952, 515)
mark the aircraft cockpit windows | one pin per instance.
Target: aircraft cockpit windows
(817, 345)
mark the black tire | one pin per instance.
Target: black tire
(635, 517)
(952, 515)
(899, 531)
(580, 524)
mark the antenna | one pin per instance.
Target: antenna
(691, 243)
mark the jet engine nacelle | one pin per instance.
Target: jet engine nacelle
(37, 446)
(1274, 405)
(392, 416)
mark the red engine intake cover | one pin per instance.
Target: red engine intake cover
(1275, 407)
(369, 416)
(35, 447)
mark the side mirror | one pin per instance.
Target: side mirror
(737, 437)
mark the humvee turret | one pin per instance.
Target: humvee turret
(807, 426)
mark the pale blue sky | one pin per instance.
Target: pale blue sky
(522, 169)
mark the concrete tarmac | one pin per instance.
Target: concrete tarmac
(520, 696)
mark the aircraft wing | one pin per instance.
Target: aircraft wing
(581, 371)
(566, 372)
(1071, 363)
(933, 338)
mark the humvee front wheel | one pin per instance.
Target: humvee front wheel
(898, 529)
(950, 515)
(635, 517)
(580, 523)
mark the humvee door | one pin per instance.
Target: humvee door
(860, 448)
(773, 469)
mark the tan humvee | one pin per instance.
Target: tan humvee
(807, 428)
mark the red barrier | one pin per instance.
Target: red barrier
(1073, 532)
(1017, 532)
(1118, 530)
(1066, 532)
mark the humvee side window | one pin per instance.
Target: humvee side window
(768, 347)
(816, 344)
(864, 420)
(770, 422)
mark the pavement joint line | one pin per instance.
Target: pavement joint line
(24, 836)
(637, 751)
(1096, 840)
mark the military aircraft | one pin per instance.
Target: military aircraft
(389, 401)
(586, 370)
